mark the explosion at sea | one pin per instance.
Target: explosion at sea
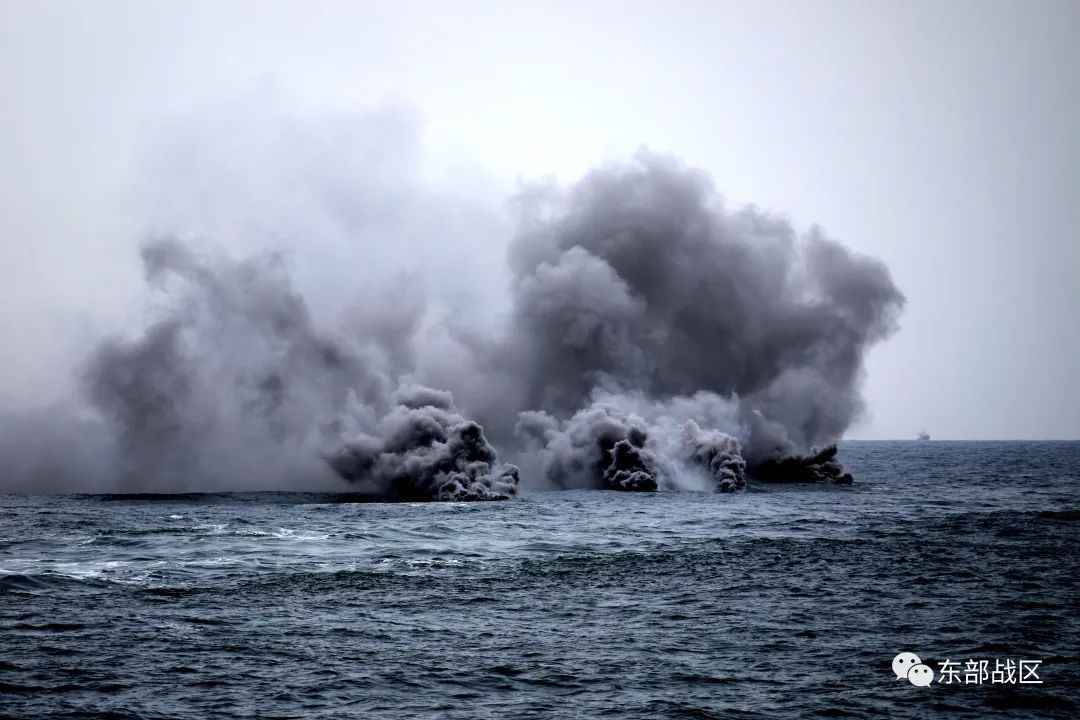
(653, 339)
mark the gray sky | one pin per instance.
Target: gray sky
(943, 138)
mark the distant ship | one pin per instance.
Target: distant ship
(923, 436)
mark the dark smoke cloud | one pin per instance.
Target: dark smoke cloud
(606, 446)
(619, 443)
(653, 340)
(820, 466)
(637, 280)
(718, 453)
(597, 447)
(231, 384)
(235, 380)
(426, 451)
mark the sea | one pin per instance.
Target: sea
(781, 601)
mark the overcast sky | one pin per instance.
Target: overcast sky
(943, 138)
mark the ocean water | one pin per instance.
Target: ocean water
(781, 601)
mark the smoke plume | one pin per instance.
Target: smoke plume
(638, 283)
(423, 450)
(236, 382)
(652, 339)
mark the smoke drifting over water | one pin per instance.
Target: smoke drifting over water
(235, 381)
(423, 450)
(637, 282)
(653, 340)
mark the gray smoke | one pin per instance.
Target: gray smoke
(718, 453)
(597, 447)
(608, 446)
(236, 382)
(653, 340)
(424, 450)
(637, 282)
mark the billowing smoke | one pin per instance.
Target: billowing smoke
(652, 339)
(637, 283)
(236, 382)
(595, 448)
(423, 450)
(605, 446)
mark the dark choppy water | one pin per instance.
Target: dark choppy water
(776, 602)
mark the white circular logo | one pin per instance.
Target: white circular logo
(904, 662)
(920, 675)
